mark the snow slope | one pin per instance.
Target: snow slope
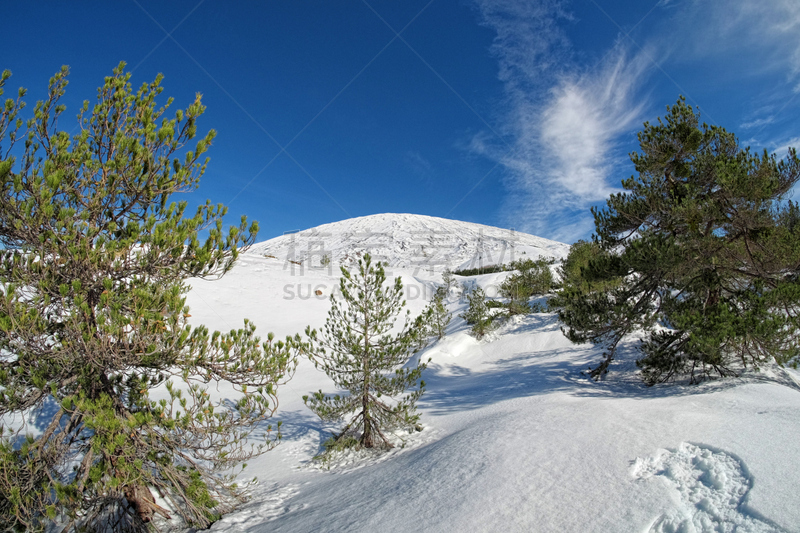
(411, 241)
(515, 438)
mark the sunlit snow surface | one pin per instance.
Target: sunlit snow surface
(711, 487)
(410, 241)
(515, 438)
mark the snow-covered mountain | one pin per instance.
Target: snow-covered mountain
(515, 438)
(416, 241)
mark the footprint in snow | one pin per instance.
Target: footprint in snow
(711, 486)
(267, 504)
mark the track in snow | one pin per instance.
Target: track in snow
(711, 487)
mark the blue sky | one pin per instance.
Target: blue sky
(508, 113)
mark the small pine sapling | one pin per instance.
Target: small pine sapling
(478, 314)
(426, 330)
(361, 356)
(448, 280)
(533, 278)
(438, 316)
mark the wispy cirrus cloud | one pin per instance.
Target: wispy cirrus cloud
(530, 44)
(563, 120)
(758, 123)
(420, 165)
(769, 29)
(754, 40)
(782, 150)
(582, 120)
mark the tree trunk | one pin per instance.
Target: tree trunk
(143, 502)
(367, 440)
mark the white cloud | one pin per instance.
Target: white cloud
(783, 150)
(582, 121)
(759, 122)
(564, 122)
(778, 23)
(768, 29)
(419, 164)
(529, 42)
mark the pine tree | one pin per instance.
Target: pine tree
(572, 271)
(477, 314)
(361, 356)
(533, 278)
(437, 318)
(448, 280)
(700, 252)
(93, 266)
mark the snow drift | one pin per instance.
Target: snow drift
(515, 438)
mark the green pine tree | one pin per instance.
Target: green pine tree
(533, 278)
(478, 314)
(448, 280)
(574, 287)
(437, 317)
(700, 251)
(361, 356)
(93, 266)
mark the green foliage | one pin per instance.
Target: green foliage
(448, 280)
(533, 278)
(488, 269)
(436, 316)
(477, 314)
(700, 252)
(577, 284)
(573, 271)
(334, 446)
(361, 356)
(495, 304)
(93, 264)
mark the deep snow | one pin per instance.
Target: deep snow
(515, 438)
(417, 242)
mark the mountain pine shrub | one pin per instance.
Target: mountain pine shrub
(437, 317)
(478, 314)
(448, 280)
(700, 252)
(93, 268)
(533, 278)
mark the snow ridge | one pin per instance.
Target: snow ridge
(405, 240)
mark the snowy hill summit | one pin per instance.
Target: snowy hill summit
(409, 241)
(514, 438)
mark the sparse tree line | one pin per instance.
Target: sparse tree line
(93, 267)
(701, 253)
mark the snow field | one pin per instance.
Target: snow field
(515, 438)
